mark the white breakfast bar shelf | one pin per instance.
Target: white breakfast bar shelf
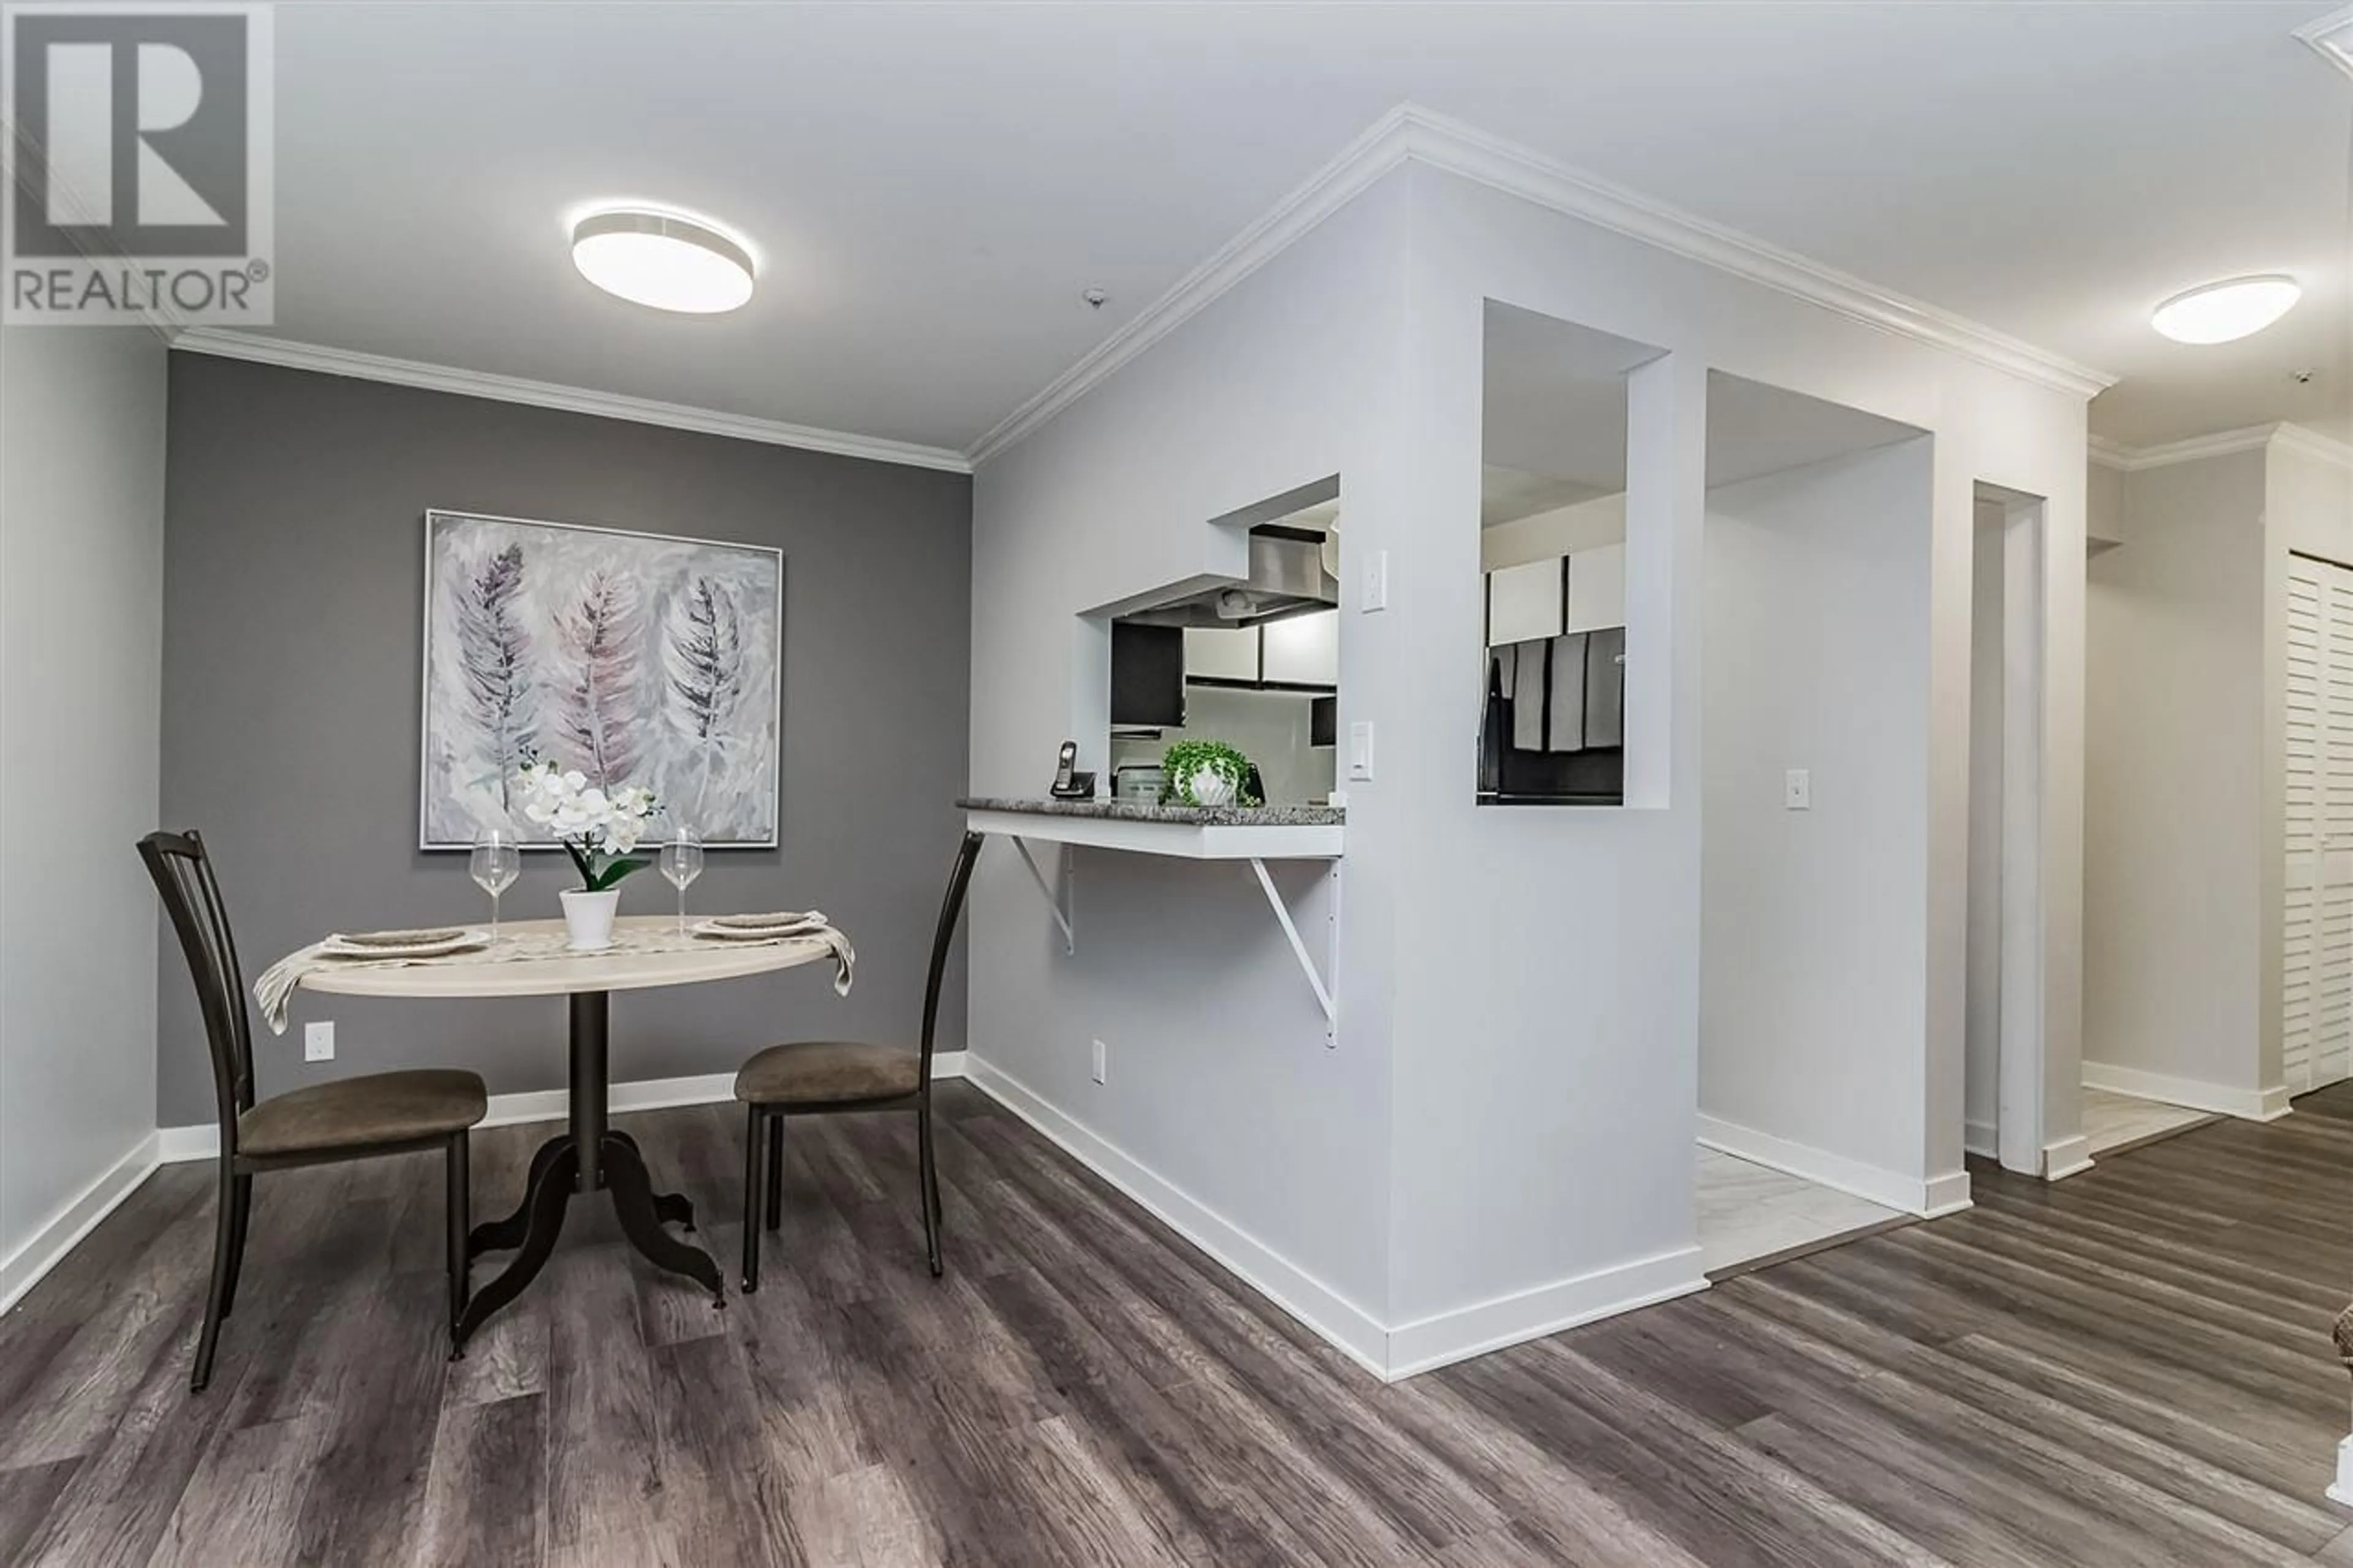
(1256, 836)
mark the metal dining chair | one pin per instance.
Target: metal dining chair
(816, 1078)
(350, 1118)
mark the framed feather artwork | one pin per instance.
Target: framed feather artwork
(637, 658)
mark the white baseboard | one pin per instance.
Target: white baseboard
(63, 1231)
(202, 1141)
(1941, 1195)
(1297, 1292)
(1947, 1193)
(1388, 1353)
(1466, 1332)
(2222, 1098)
(1980, 1138)
(2068, 1157)
(2341, 1489)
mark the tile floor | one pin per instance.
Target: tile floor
(2112, 1119)
(1749, 1210)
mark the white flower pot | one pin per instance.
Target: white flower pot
(1212, 788)
(588, 918)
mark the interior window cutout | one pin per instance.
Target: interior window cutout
(1552, 546)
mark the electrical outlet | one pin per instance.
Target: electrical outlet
(319, 1041)
(1798, 790)
(1102, 1060)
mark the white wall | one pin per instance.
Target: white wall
(2104, 495)
(1545, 1109)
(1249, 1128)
(1499, 1139)
(81, 551)
(1813, 1010)
(2176, 759)
(1982, 1079)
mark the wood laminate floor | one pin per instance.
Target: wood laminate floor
(2131, 1368)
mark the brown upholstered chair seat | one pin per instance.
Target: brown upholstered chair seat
(818, 1072)
(358, 1113)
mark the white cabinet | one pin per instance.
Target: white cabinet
(1583, 591)
(1218, 653)
(1303, 650)
(1523, 602)
(1597, 589)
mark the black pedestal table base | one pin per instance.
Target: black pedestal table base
(587, 1157)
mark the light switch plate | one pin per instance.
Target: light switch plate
(1376, 595)
(319, 1041)
(1360, 751)
(1103, 1061)
(1798, 790)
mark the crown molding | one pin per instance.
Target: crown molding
(2221, 443)
(2110, 454)
(2331, 37)
(2312, 444)
(294, 355)
(1409, 132)
(159, 317)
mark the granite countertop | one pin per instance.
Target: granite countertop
(1189, 815)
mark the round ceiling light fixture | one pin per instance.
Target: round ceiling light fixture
(2220, 313)
(660, 259)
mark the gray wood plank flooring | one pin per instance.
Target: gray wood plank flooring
(2132, 1368)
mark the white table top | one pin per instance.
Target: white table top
(476, 974)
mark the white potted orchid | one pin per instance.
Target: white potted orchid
(599, 829)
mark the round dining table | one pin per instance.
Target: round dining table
(589, 1155)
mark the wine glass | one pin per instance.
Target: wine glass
(497, 862)
(681, 862)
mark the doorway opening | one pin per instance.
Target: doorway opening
(1817, 549)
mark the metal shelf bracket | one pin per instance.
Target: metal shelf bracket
(1299, 947)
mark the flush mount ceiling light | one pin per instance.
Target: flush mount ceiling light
(2219, 313)
(658, 260)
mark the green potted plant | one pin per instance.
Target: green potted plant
(1205, 773)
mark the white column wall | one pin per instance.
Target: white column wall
(1256, 1135)
(1545, 1053)
(1501, 1139)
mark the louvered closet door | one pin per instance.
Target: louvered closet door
(2317, 969)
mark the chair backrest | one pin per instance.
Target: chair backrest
(951, 910)
(191, 894)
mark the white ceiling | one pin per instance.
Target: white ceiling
(930, 188)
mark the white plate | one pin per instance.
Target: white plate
(464, 942)
(780, 919)
(754, 934)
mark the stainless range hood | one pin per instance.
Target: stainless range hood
(1286, 578)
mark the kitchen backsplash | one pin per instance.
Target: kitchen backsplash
(1270, 727)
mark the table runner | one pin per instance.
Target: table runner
(276, 988)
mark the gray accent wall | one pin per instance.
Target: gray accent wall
(293, 577)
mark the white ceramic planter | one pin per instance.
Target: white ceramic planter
(1212, 788)
(588, 918)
